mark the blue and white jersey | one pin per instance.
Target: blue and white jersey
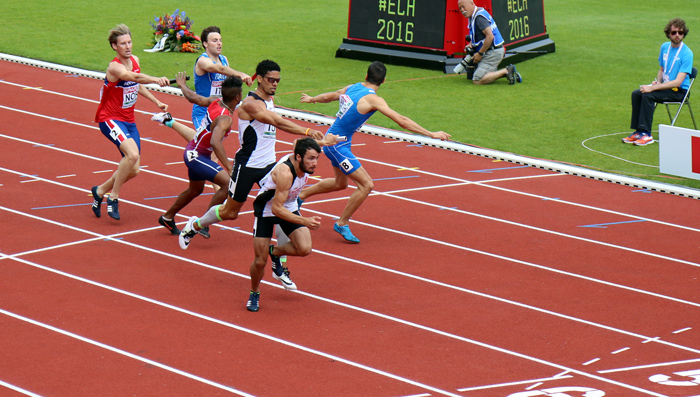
(676, 60)
(206, 85)
(349, 119)
(475, 33)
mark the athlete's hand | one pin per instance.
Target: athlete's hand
(317, 135)
(313, 222)
(246, 79)
(305, 99)
(329, 140)
(441, 135)
(163, 81)
(181, 79)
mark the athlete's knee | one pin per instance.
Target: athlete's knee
(303, 248)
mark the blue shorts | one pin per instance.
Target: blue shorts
(118, 131)
(341, 157)
(200, 167)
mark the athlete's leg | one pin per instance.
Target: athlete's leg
(128, 168)
(195, 189)
(257, 268)
(220, 182)
(299, 244)
(327, 185)
(185, 132)
(364, 188)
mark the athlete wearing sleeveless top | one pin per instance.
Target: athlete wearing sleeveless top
(258, 124)
(115, 115)
(210, 69)
(357, 103)
(276, 203)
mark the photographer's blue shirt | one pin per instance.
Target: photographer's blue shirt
(349, 119)
(206, 85)
(676, 60)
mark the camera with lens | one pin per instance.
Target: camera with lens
(466, 63)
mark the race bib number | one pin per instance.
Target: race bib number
(345, 104)
(130, 95)
(216, 88)
(346, 165)
(191, 155)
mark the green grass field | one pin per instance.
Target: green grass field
(580, 93)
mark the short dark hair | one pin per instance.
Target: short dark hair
(267, 66)
(304, 144)
(205, 33)
(679, 24)
(231, 87)
(376, 73)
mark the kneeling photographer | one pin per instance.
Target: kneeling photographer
(485, 50)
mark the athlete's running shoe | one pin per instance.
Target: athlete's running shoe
(96, 202)
(187, 234)
(170, 225)
(632, 137)
(280, 272)
(253, 304)
(346, 233)
(204, 232)
(644, 140)
(162, 118)
(113, 208)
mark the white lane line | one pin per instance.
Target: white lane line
(275, 285)
(124, 353)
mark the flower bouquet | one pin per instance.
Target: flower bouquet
(172, 33)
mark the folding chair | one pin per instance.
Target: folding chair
(685, 101)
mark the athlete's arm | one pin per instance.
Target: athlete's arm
(207, 65)
(116, 71)
(147, 94)
(323, 98)
(283, 178)
(191, 96)
(375, 102)
(219, 127)
(255, 109)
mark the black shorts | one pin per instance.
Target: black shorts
(243, 179)
(264, 226)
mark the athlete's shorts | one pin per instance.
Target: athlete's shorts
(119, 131)
(200, 167)
(489, 63)
(341, 157)
(264, 226)
(243, 178)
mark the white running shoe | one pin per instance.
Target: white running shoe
(161, 117)
(187, 234)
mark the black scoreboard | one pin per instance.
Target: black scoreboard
(430, 32)
(419, 23)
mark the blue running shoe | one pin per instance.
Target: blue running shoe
(253, 304)
(346, 233)
(96, 202)
(299, 202)
(113, 208)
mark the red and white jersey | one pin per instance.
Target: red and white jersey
(117, 99)
(202, 139)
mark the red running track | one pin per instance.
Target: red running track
(473, 278)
